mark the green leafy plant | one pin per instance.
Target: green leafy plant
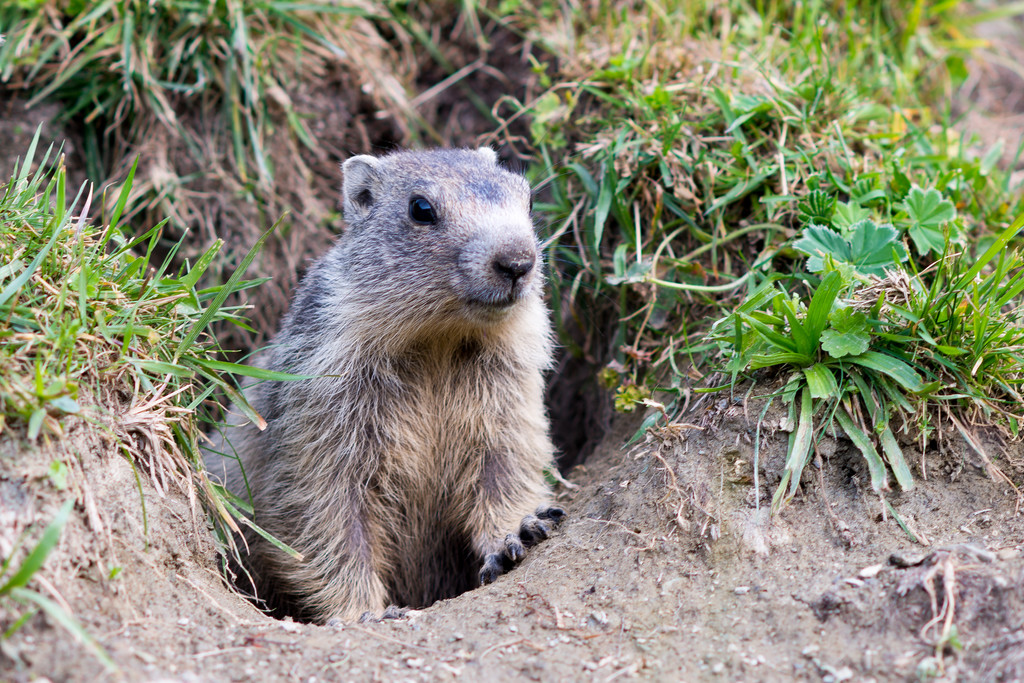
(836, 374)
(868, 249)
(928, 213)
(666, 196)
(866, 351)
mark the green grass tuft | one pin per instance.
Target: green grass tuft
(92, 326)
(743, 186)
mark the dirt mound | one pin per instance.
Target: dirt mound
(669, 568)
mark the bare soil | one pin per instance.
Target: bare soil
(990, 103)
(669, 568)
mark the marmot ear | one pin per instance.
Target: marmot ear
(359, 185)
(489, 154)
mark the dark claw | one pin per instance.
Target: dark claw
(492, 568)
(532, 531)
(555, 514)
(393, 612)
(335, 622)
(514, 550)
(390, 612)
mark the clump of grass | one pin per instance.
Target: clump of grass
(708, 150)
(211, 96)
(120, 67)
(88, 317)
(685, 163)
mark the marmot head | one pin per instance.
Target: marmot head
(445, 234)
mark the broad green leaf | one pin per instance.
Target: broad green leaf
(802, 339)
(870, 248)
(899, 184)
(927, 239)
(904, 375)
(764, 360)
(929, 212)
(879, 480)
(821, 381)
(894, 456)
(928, 208)
(35, 423)
(950, 350)
(799, 452)
(770, 335)
(764, 293)
(848, 334)
(649, 421)
(65, 404)
(821, 308)
(848, 214)
(602, 209)
(818, 241)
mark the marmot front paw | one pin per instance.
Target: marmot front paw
(536, 527)
(532, 530)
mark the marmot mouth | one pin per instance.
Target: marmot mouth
(494, 305)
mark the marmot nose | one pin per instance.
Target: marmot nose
(514, 266)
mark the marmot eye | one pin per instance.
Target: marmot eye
(421, 211)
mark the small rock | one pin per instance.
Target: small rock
(843, 674)
(741, 590)
(1007, 553)
(870, 572)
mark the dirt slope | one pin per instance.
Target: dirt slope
(666, 570)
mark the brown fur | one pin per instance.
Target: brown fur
(410, 466)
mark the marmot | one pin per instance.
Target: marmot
(410, 467)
